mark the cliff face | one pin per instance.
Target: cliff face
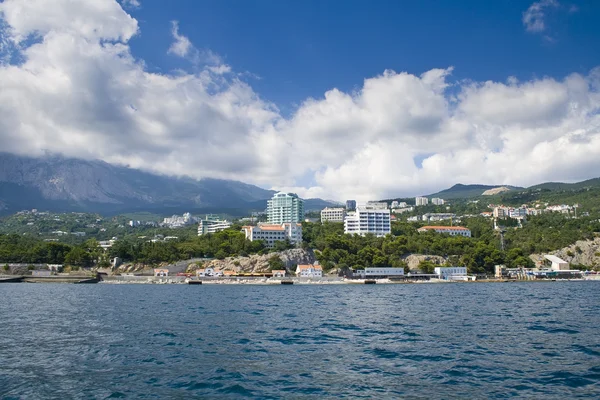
(260, 263)
(413, 260)
(583, 252)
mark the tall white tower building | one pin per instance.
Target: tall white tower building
(285, 208)
(421, 201)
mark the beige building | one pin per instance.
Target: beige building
(333, 214)
(270, 233)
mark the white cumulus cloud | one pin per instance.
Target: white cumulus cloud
(79, 91)
(534, 16)
(182, 45)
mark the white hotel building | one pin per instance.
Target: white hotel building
(271, 233)
(368, 219)
(209, 225)
(333, 214)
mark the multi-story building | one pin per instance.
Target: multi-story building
(333, 214)
(271, 233)
(394, 204)
(368, 219)
(421, 201)
(212, 224)
(285, 207)
(517, 213)
(449, 230)
(350, 204)
(501, 212)
(437, 201)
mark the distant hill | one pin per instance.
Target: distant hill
(66, 184)
(556, 186)
(460, 191)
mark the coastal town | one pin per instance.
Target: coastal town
(280, 227)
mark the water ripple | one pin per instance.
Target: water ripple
(357, 341)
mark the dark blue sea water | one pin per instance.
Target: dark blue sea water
(421, 341)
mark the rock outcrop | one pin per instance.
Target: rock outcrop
(413, 260)
(582, 252)
(259, 263)
(491, 192)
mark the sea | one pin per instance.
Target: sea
(397, 341)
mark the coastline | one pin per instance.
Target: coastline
(302, 281)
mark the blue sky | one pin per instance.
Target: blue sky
(330, 99)
(300, 49)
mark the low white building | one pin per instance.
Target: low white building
(449, 230)
(451, 273)
(558, 264)
(209, 271)
(377, 272)
(106, 244)
(161, 272)
(403, 210)
(333, 214)
(437, 216)
(377, 205)
(270, 233)
(535, 211)
(368, 219)
(55, 267)
(278, 273)
(309, 271)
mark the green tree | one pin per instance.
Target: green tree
(427, 267)
(275, 262)
(77, 256)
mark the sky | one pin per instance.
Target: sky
(338, 100)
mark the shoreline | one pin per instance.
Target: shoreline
(296, 281)
(257, 281)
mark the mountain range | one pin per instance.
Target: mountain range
(56, 183)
